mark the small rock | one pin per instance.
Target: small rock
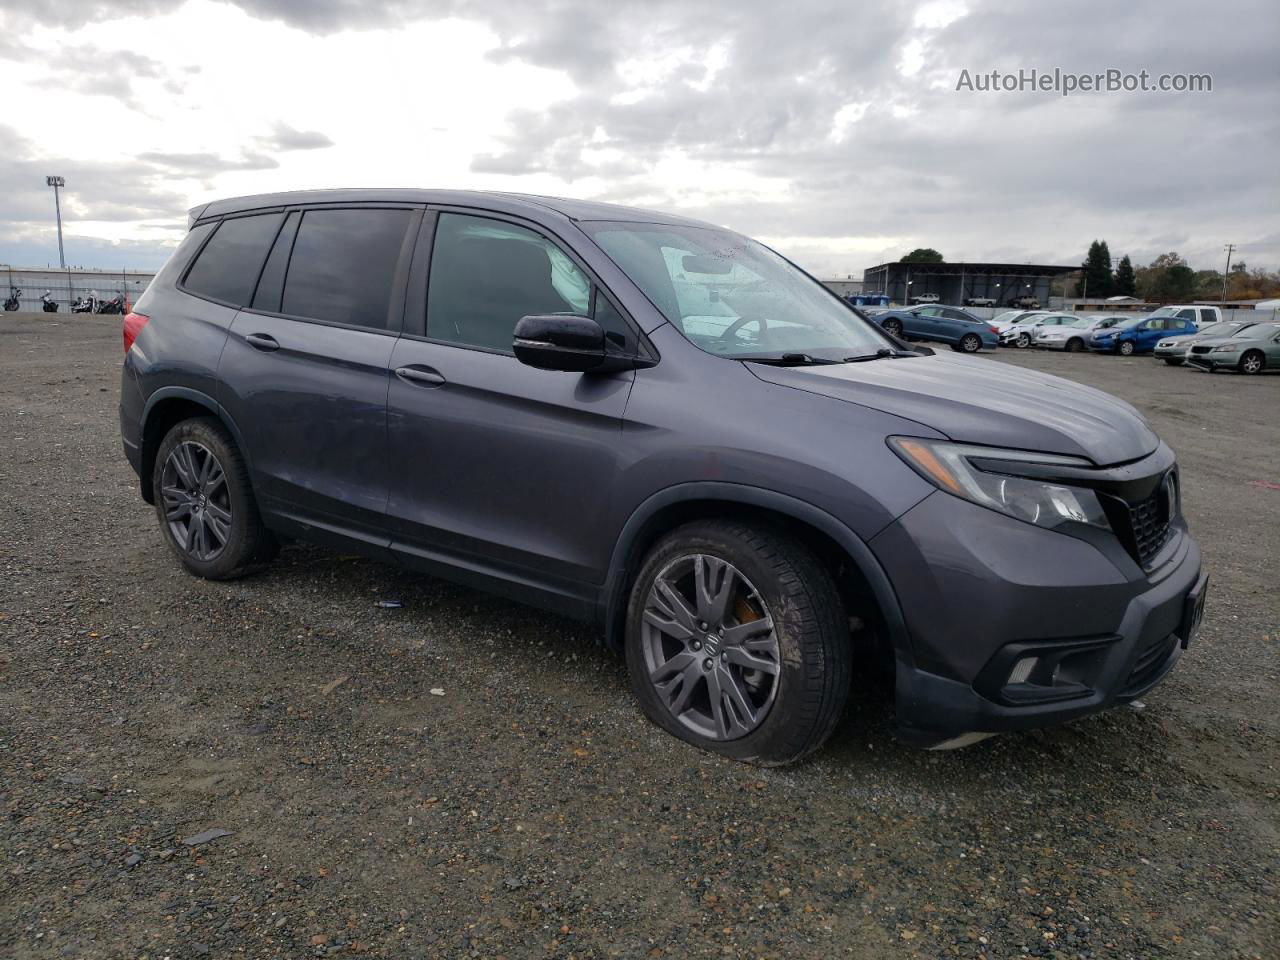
(132, 860)
(437, 691)
(513, 883)
(389, 604)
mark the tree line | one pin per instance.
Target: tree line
(1168, 278)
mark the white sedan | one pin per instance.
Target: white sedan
(1073, 334)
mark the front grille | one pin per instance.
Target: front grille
(1149, 663)
(1149, 522)
(1201, 349)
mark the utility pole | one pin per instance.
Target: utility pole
(1230, 248)
(57, 182)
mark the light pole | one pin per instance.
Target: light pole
(57, 182)
(1230, 248)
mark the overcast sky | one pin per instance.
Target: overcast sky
(832, 130)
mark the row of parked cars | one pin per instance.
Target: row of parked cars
(1196, 336)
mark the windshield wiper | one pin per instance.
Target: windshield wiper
(789, 360)
(884, 353)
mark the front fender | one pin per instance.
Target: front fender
(624, 560)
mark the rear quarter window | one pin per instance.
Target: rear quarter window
(228, 266)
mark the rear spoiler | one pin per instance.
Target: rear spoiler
(194, 214)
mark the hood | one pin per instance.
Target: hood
(983, 401)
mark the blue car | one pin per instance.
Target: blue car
(1140, 335)
(951, 325)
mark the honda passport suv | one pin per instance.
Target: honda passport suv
(666, 429)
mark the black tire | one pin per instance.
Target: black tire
(1125, 348)
(1173, 361)
(894, 328)
(1252, 362)
(813, 658)
(970, 343)
(1075, 345)
(1022, 341)
(248, 544)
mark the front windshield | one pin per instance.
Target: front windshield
(734, 297)
(1165, 312)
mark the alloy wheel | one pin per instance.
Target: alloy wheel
(197, 501)
(711, 647)
(1252, 363)
(1023, 341)
(970, 343)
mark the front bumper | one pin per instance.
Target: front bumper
(1215, 361)
(980, 591)
(1171, 353)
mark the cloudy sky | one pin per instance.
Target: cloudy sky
(834, 131)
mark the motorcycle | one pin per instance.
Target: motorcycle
(50, 304)
(12, 303)
(114, 305)
(87, 304)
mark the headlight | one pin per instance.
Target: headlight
(949, 467)
(1165, 343)
(1226, 348)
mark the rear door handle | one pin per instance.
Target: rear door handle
(260, 341)
(424, 376)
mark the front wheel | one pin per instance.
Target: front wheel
(737, 642)
(1252, 362)
(1023, 341)
(894, 328)
(1075, 345)
(205, 504)
(1126, 348)
(970, 343)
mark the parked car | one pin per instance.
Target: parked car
(1173, 350)
(1250, 351)
(1200, 315)
(1072, 335)
(1140, 335)
(1026, 301)
(1009, 318)
(925, 298)
(543, 398)
(1024, 334)
(951, 325)
(979, 302)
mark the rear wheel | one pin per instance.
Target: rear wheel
(737, 642)
(970, 343)
(205, 504)
(894, 327)
(1252, 362)
(1023, 341)
(1126, 348)
(1075, 345)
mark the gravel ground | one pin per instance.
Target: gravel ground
(462, 777)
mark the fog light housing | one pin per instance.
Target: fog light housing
(1045, 671)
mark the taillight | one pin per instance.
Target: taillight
(994, 330)
(133, 324)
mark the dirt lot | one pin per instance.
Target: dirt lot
(529, 810)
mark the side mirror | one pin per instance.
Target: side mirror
(559, 342)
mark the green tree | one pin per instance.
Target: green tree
(1126, 284)
(922, 255)
(1097, 270)
(1167, 279)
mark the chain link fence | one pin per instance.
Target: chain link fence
(66, 286)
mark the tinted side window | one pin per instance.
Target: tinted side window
(487, 274)
(343, 264)
(616, 330)
(227, 268)
(271, 284)
(176, 263)
(1206, 316)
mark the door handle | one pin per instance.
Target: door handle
(260, 341)
(424, 376)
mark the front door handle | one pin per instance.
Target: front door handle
(260, 341)
(424, 376)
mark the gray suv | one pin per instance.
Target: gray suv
(669, 430)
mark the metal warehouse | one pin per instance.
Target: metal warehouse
(956, 282)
